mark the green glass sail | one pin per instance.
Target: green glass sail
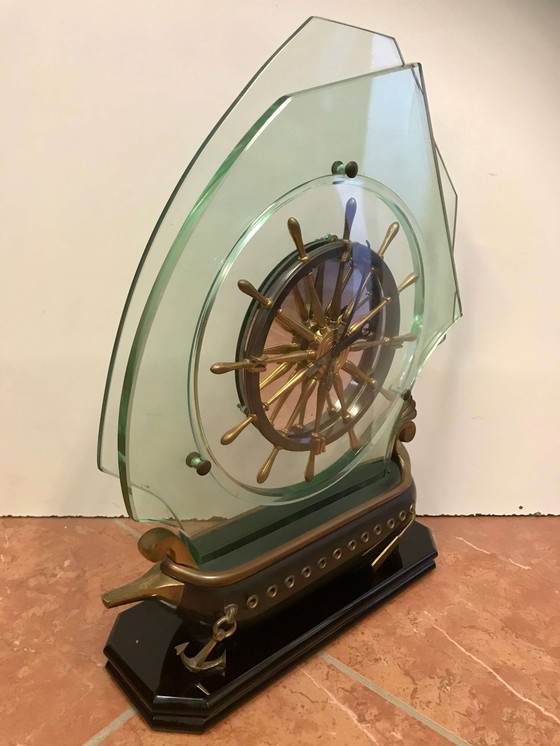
(272, 159)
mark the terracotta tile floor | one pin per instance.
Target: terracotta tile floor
(468, 655)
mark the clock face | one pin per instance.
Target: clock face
(320, 345)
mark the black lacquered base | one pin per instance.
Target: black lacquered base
(141, 648)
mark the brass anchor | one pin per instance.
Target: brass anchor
(200, 662)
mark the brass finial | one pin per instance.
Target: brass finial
(410, 280)
(349, 215)
(264, 471)
(246, 287)
(392, 231)
(295, 232)
(229, 436)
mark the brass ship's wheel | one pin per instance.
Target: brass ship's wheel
(317, 344)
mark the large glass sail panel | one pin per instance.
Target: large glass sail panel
(319, 52)
(297, 303)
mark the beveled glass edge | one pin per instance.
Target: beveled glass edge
(435, 152)
(453, 228)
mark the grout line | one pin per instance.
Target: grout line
(111, 728)
(122, 525)
(394, 700)
(351, 714)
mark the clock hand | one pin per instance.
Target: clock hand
(355, 331)
(353, 306)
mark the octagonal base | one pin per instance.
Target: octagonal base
(141, 647)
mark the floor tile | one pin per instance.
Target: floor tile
(528, 542)
(315, 703)
(53, 687)
(474, 646)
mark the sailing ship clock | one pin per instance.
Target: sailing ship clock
(259, 392)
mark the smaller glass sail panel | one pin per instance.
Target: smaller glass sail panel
(196, 317)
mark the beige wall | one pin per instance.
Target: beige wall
(103, 105)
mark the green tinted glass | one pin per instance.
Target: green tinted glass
(289, 383)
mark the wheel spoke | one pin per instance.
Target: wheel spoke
(366, 344)
(279, 405)
(290, 325)
(339, 390)
(276, 374)
(358, 374)
(316, 445)
(320, 281)
(229, 436)
(336, 301)
(346, 416)
(281, 349)
(349, 215)
(287, 387)
(368, 316)
(264, 471)
(300, 303)
(316, 306)
(392, 231)
(331, 409)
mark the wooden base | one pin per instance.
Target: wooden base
(141, 647)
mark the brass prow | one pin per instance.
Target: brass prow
(154, 545)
